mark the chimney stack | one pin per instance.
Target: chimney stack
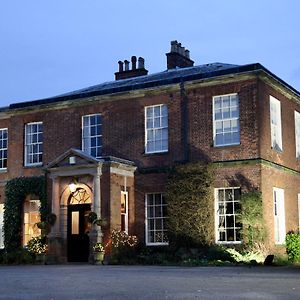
(178, 57)
(134, 72)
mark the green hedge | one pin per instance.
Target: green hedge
(16, 191)
(292, 242)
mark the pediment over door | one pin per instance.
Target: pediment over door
(73, 158)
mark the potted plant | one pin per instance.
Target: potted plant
(38, 246)
(98, 253)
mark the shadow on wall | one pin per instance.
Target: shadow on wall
(240, 180)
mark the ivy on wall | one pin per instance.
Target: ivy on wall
(189, 196)
(16, 191)
(251, 216)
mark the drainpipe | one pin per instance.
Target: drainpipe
(185, 122)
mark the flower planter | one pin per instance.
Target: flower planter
(40, 258)
(98, 258)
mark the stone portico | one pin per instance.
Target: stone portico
(98, 186)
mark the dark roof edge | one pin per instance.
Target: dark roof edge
(234, 70)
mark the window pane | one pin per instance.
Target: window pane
(92, 135)
(227, 212)
(157, 119)
(156, 214)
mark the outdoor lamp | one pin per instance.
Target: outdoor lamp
(73, 186)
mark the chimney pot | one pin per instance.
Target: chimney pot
(141, 63)
(126, 62)
(120, 66)
(187, 53)
(133, 62)
(174, 46)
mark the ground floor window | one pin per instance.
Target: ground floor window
(124, 211)
(279, 215)
(227, 201)
(31, 217)
(156, 233)
(1, 226)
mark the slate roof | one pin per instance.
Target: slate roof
(172, 76)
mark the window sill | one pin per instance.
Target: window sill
(226, 146)
(33, 166)
(4, 170)
(156, 244)
(156, 153)
(229, 243)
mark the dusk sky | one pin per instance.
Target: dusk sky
(51, 47)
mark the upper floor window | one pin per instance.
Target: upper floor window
(275, 119)
(92, 135)
(33, 144)
(156, 128)
(226, 120)
(3, 148)
(297, 133)
(228, 228)
(156, 212)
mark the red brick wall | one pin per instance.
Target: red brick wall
(288, 156)
(201, 122)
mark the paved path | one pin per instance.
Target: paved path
(139, 282)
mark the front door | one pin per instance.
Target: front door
(78, 229)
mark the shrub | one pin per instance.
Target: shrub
(37, 245)
(122, 247)
(292, 241)
(190, 205)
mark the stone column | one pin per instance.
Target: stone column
(55, 206)
(97, 202)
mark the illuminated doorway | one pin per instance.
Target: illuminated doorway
(78, 226)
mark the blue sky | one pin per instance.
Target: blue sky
(56, 46)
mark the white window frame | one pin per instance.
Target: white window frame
(125, 194)
(279, 216)
(146, 222)
(156, 129)
(230, 119)
(217, 217)
(297, 134)
(275, 124)
(3, 149)
(87, 149)
(1, 225)
(27, 215)
(27, 145)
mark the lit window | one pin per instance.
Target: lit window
(92, 135)
(226, 119)
(3, 148)
(156, 127)
(156, 233)
(228, 229)
(124, 211)
(275, 119)
(279, 215)
(297, 133)
(33, 144)
(1, 226)
(31, 217)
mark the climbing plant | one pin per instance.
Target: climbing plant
(251, 217)
(16, 191)
(189, 196)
